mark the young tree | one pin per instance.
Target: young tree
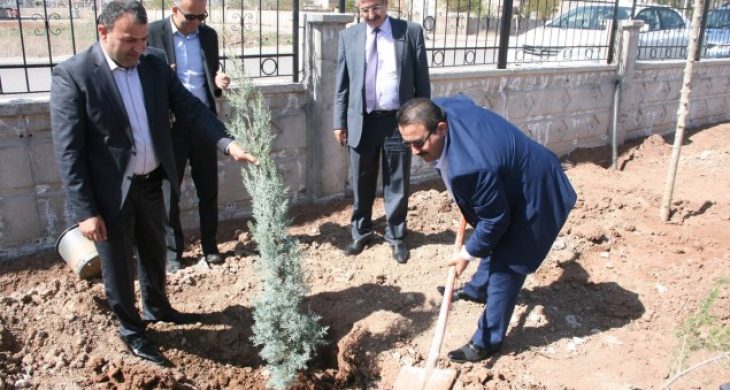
(288, 337)
(682, 111)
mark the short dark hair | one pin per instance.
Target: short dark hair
(117, 8)
(420, 111)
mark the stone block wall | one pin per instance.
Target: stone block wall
(650, 96)
(562, 107)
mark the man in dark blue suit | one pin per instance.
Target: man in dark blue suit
(511, 189)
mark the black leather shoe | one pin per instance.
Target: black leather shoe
(179, 318)
(468, 353)
(356, 246)
(141, 347)
(400, 252)
(173, 266)
(214, 258)
(458, 295)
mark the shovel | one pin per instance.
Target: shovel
(430, 377)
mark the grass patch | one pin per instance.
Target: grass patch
(705, 330)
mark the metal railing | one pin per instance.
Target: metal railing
(260, 35)
(468, 32)
(263, 36)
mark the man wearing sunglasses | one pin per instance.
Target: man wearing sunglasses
(381, 64)
(511, 189)
(192, 52)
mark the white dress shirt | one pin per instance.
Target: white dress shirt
(143, 160)
(386, 87)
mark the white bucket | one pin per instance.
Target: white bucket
(79, 253)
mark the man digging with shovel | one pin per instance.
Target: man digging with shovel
(509, 188)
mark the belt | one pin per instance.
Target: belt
(154, 175)
(378, 113)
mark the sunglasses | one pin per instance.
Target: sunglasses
(418, 144)
(191, 17)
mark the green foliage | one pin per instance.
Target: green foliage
(544, 9)
(350, 5)
(473, 7)
(288, 337)
(704, 330)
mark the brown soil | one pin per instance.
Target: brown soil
(601, 312)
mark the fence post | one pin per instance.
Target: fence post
(627, 53)
(295, 40)
(701, 38)
(614, 27)
(504, 32)
(326, 160)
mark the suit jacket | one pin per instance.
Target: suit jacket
(161, 36)
(509, 187)
(412, 67)
(92, 135)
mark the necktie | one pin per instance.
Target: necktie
(371, 73)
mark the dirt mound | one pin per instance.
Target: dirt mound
(609, 299)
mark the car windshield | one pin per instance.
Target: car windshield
(589, 18)
(719, 18)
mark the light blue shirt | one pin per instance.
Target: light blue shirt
(143, 160)
(189, 62)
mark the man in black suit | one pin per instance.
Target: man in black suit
(110, 121)
(192, 52)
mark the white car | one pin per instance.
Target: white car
(717, 33)
(582, 34)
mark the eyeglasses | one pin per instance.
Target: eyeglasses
(374, 9)
(191, 17)
(418, 144)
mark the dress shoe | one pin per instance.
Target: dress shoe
(179, 318)
(400, 252)
(141, 347)
(458, 295)
(214, 258)
(356, 246)
(173, 266)
(468, 353)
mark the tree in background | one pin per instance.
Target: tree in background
(539, 9)
(288, 337)
(472, 7)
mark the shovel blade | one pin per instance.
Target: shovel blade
(410, 378)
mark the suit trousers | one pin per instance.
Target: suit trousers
(380, 135)
(203, 159)
(498, 286)
(141, 220)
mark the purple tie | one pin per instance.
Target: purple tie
(371, 73)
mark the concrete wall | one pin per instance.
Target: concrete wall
(563, 107)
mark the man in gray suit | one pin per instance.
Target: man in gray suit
(110, 108)
(381, 64)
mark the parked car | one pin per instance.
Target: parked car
(582, 33)
(717, 33)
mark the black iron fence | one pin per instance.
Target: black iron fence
(504, 32)
(260, 35)
(263, 36)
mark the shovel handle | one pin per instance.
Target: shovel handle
(438, 336)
